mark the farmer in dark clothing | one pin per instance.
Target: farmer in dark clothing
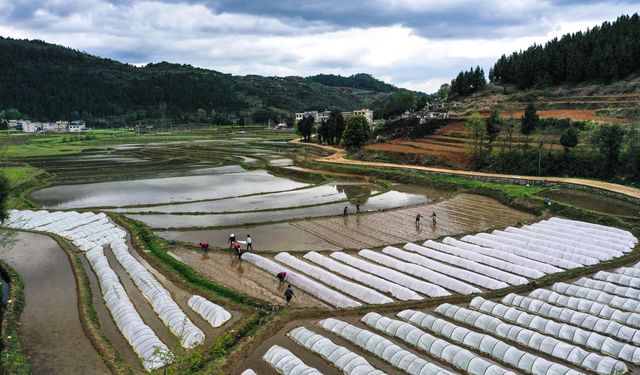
(204, 246)
(418, 216)
(345, 212)
(358, 207)
(232, 239)
(281, 277)
(288, 293)
(433, 218)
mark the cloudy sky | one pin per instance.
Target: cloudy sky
(417, 44)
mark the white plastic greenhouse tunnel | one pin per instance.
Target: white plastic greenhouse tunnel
(314, 288)
(611, 288)
(286, 363)
(612, 300)
(584, 320)
(574, 354)
(456, 356)
(358, 291)
(248, 372)
(214, 314)
(400, 278)
(383, 348)
(563, 331)
(344, 359)
(486, 344)
(400, 292)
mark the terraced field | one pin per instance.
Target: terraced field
(589, 325)
(461, 214)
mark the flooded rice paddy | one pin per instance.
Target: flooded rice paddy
(594, 202)
(50, 328)
(161, 190)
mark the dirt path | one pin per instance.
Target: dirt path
(50, 326)
(339, 158)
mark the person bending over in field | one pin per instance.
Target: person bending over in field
(281, 277)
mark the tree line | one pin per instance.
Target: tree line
(353, 133)
(467, 82)
(522, 146)
(606, 53)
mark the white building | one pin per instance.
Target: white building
(76, 127)
(319, 116)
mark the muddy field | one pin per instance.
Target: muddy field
(463, 213)
(50, 329)
(223, 267)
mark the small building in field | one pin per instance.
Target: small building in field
(76, 126)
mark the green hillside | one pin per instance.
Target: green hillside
(47, 81)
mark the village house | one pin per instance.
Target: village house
(318, 117)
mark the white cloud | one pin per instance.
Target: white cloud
(151, 31)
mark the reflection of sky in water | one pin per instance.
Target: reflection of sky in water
(303, 197)
(386, 200)
(162, 190)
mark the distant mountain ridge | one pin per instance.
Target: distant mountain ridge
(54, 82)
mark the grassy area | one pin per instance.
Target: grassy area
(22, 179)
(12, 358)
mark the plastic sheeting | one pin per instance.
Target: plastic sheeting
(598, 296)
(591, 307)
(471, 277)
(153, 352)
(555, 258)
(580, 319)
(491, 272)
(383, 348)
(593, 251)
(420, 286)
(248, 372)
(314, 288)
(484, 259)
(563, 331)
(444, 350)
(611, 288)
(160, 299)
(546, 344)
(214, 314)
(617, 278)
(344, 359)
(419, 271)
(527, 267)
(613, 232)
(582, 236)
(399, 292)
(286, 363)
(558, 240)
(358, 291)
(629, 271)
(486, 344)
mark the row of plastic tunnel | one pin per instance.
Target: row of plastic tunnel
(589, 326)
(472, 264)
(91, 233)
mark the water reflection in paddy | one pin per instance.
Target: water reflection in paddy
(161, 190)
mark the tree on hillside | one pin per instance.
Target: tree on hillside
(323, 132)
(493, 126)
(569, 139)
(468, 82)
(357, 132)
(475, 127)
(305, 128)
(399, 103)
(608, 139)
(335, 127)
(10, 114)
(530, 121)
(631, 150)
(444, 91)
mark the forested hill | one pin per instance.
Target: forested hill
(605, 53)
(360, 81)
(44, 80)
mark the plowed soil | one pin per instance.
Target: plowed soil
(461, 214)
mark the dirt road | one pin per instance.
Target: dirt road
(339, 158)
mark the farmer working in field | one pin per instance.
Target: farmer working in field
(238, 250)
(288, 293)
(418, 216)
(231, 240)
(249, 242)
(345, 212)
(433, 218)
(204, 246)
(281, 277)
